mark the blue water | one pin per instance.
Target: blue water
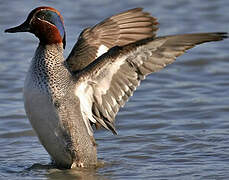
(176, 125)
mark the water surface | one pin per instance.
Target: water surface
(175, 126)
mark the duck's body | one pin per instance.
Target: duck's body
(41, 97)
(54, 110)
(63, 98)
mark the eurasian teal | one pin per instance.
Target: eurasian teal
(64, 99)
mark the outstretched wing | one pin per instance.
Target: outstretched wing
(118, 30)
(106, 84)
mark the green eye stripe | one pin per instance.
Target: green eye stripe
(53, 18)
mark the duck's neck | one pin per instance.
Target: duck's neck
(49, 71)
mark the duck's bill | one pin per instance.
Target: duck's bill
(24, 27)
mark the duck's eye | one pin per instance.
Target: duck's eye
(53, 18)
(49, 16)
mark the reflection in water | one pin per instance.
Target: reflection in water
(53, 173)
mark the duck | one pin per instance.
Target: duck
(67, 99)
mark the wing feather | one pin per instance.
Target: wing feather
(118, 30)
(117, 73)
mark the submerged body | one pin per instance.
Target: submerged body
(65, 98)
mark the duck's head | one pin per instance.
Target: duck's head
(46, 23)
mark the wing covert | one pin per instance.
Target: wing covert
(118, 30)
